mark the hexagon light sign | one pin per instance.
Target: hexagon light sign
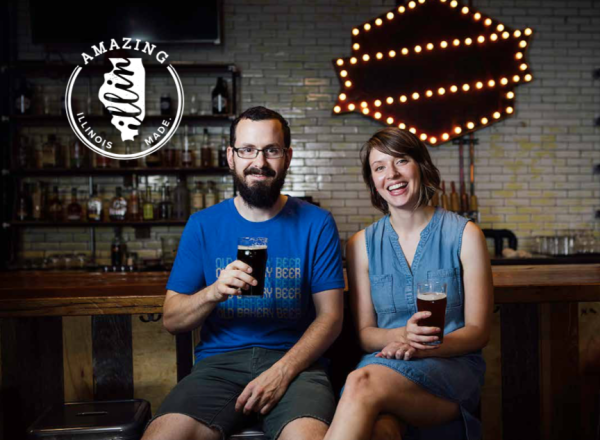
(435, 67)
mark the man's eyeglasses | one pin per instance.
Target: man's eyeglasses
(252, 153)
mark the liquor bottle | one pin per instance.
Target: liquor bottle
(55, 207)
(23, 98)
(223, 152)
(134, 203)
(186, 156)
(153, 160)
(181, 200)
(148, 208)
(38, 201)
(165, 207)
(24, 152)
(50, 152)
(198, 144)
(63, 107)
(220, 98)
(118, 249)
(211, 197)
(102, 161)
(77, 154)
(129, 163)
(74, 210)
(24, 203)
(94, 206)
(118, 207)
(206, 151)
(193, 105)
(166, 106)
(198, 197)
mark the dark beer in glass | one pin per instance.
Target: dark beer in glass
(431, 297)
(253, 252)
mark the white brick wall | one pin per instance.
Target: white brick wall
(533, 172)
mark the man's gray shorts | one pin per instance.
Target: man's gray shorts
(208, 394)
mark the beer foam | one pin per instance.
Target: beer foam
(256, 247)
(433, 296)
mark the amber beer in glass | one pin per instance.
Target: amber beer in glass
(253, 252)
(431, 297)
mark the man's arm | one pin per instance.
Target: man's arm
(263, 393)
(182, 313)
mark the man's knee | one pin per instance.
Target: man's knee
(181, 427)
(305, 428)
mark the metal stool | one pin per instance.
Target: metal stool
(253, 433)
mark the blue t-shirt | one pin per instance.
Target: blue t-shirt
(303, 258)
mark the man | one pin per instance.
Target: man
(258, 357)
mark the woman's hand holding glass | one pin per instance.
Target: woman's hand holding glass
(411, 339)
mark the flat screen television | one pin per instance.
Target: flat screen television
(167, 22)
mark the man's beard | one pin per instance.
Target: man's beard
(262, 195)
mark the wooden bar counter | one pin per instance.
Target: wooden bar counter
(541, 389)
(90, 293)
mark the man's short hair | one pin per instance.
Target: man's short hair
(261, 114)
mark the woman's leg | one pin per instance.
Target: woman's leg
(376, 389)
(388, 427)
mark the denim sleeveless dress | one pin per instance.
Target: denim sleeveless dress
(394, 294)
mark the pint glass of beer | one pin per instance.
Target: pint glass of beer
(431, 297)
(253, 252)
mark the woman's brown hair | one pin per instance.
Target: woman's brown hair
(399, 143)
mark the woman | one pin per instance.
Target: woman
(408, 383)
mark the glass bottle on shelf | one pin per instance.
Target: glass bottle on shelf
(223, 152)
(148, 208)
(118, 206)
(130, 163)
(38, 154)
(211, 197)
(206, 150)
(134, 203)
(38, 201)
(24, 203)
(165, 207)
(118, 249)
(50, 153)
(55, 207)
(198, 142)
(23, 98)
(181, 200)
(220, 98)
(24, 152)
(198, 197)
(153, 160)
(102, 161)
(94, 206)
(166, 105)
(78, 153)
(74, 210)
(186, 155)
(193, 105)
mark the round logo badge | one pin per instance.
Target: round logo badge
(123, 98)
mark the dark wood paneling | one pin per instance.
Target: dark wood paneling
(521, 418)
(560, 371)
(32, 371)
(112, 357)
